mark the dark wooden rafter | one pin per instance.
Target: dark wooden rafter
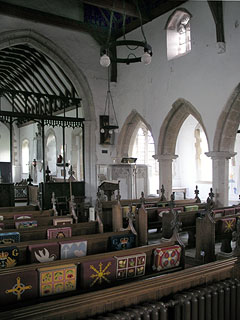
(30, 67)
(46, 107)
(51, 19)
(23, 68)
(115, 5)
(217, 12)
(36, 64)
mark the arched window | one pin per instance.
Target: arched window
(178, 34)
(4, 143)
(203, 163)
(25, 156)
(192, 167)
(51, 153)
(143, 149)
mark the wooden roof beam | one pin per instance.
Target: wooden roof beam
(116, 6)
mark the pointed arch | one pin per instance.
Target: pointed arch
(228, 123)
(130, 126)
(181, 109)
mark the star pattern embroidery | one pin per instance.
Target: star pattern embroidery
(100, 274)
(229, 225)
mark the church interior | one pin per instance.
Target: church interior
(119, 160)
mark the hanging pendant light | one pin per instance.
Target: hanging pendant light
(105, 51)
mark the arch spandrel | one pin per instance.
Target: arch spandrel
(228, 123)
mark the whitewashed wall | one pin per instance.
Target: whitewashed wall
(203, 77)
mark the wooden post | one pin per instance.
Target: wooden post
(205, 238)
(142, 224)
(117, 219)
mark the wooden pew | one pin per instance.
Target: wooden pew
(88, 304)
(36, 213)
(17, 209)
(96, 243)
(40, 233)
(216, 226)
(146, 252)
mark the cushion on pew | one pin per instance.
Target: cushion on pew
(21, 216)
(18, 286)
(191, 208)
(8, 257)
(25, 224)
(98, 273)
(120, 242)
(61, 221)
(9, 237)
(166, 258)
(131, 266)
(59, 233)
(228, 224)
(218, 213)
(229, 211)
(72, 249)
(44, 252)
(58, 279)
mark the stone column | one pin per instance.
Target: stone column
(220, 175)
(165, 172)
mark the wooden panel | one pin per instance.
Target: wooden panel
(7, 195)
(60, 189)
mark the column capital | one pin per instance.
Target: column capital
(218, 155)
(165, 157)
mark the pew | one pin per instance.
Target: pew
(96, 243)
(34, 213)
(39, 233)
(128, 295)
(109, 269)
(20, 208)
(216, 225)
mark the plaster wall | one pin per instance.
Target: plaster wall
(203, 77)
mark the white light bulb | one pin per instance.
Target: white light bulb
(110, 131)
(146, 58)
(102, 130)
(105, 60)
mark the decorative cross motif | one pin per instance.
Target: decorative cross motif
(175, 223)
(163, 198)
(18, 289)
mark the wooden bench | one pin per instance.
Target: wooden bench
(216, 226)
(40, 233)
(147, 253)
(88, 304)
(96, 243)
(17, 209)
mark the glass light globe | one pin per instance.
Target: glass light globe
(102, 130)
(146, 58)
(105, 60)
(110, 131)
